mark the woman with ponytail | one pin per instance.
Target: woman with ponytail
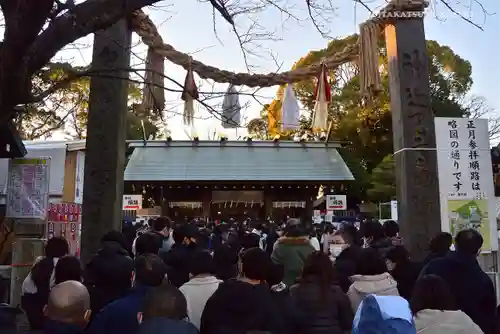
(36, 287)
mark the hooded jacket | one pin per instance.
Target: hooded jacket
(292, 253)
(383, 315)
(379, 285)
(445, 322)
(107, 275)
(470, 285)
(197, 291)
(239, 307)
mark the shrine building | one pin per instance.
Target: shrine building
(233, 179)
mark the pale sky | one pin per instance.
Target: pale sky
(188, 26)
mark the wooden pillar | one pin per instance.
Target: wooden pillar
(70, 171)
(268, 204)
(105, 155)
(308, 211)
(413, 134)
(207, 201)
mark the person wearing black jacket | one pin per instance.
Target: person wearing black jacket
(345, 262)
(403, 270)
(178, 257)
(439, 246)
(108, 274)
(471, 287)
(373, 232)
(244, 305)
(323, 307)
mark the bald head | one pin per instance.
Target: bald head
(68, 302)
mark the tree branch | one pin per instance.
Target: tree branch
(223, 11)
(23, 22)
(80, 21)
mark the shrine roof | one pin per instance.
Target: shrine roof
(236, 161)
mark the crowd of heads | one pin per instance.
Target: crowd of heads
(61, 277)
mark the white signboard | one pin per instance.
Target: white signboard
(80, 170)
(28, 188)
(336, 202)
(57, 154)
(132, 202)
(394, 210)
(466, 188)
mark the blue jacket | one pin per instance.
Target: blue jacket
(121, 315)
(383, 315)
(55, 327)
(472, 288)
(163, 325)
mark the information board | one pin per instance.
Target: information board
(132, 202)
(28, 188)
(336, 202)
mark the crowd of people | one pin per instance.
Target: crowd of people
(258, 278)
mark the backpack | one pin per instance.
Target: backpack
(383, 315)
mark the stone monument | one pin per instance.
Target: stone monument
(106, 135)
(413, 133)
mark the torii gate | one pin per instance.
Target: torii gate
(413, 128)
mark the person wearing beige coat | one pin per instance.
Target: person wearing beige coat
(371, 277)
(445, 322)
(362, 286)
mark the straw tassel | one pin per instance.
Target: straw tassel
(369, 59)
(153, 96)
(189, 94)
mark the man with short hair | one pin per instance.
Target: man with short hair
(68, 309)
(121, 315)
(161, 227)
(472, 288)
(178, 259)
(391, 231)
(245, 304)
(148, 243)
(164, 310)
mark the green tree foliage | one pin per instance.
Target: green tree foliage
(369, 126)
(383, 181)
(67, 109)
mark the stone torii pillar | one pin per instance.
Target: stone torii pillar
(414, 135)
(106, 135)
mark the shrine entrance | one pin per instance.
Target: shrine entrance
(237, 204)
(413, 120)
